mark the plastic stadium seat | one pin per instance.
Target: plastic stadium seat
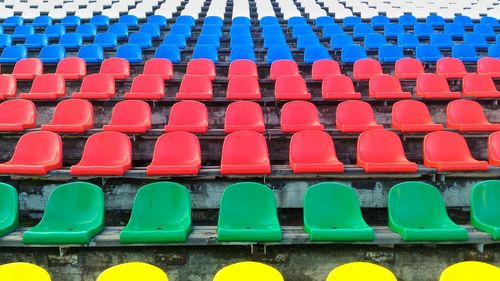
(130, 52)
(485, 29)
(313, 151)
(206, 52)
(71, 68)
(448, 151)
(464, 52)
(455, 30)
(161, 213)
(71, 21)
(470, 270)
(160, 67)
(434, 86)
(83, 218)
(244, 115)
(428, 53)
(248, 214)
(36, 153)
(242, 68)
(129, 20)
(243, 88)
(423, 30)
(248, 269)
(291, 88)
(393, 30)
(27, 69)
(293, 21)
(476, 40)
(301, 29)
(185, 19)
(351, 21)
(280, 52)
(46, 87)
(13, 21)
(17, 115)
(363, 120)
(411, 116)
(96, 86)
(352, 53)
(201, 67)
(146, 87)
(408, 40)
(241, 40)
(36, 41)
(330, 30)
(365, 69)
(106, 40)
(283, 68)
(314, 53)
(451, 68)
(22, 31)
(362, 29)
(159, 20)
(464, 20)
(494, 50)
(361, 271)
(268, 20)
(484, 205)
(87, 30)
(91, 53)
(205, 39)
(241, 20)
(489, 67)
(435, 21)
(418, 213)
(23, 271)
(100, 20)
(467, 116)
(211, 29)
(374, 41)
(8, 87)
(71, 116)
(324, 20)
(386, 87)
(195, 87)
(119, 29)
(379, 21)
(407, 20)
(479, 86)
(254, 159)
(324, 68)
(176, 153)
(490, 21)
(390, 53)
(5, 41)
(105, 154)
(242, 52)
(71, 41)
(494, 149)
(188, 116)
(52, 54)
(54, 31)
(307, 40)
(441, 40)
(275, 41)
(168, 52)
(181, 29)
(299, 115)
(213, 20)
(408, 68)
(13, 54)
(140, 39)
(338, 87)
(130, 116)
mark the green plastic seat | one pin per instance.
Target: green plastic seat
(332, 213)
(418, 213)
(73, 215)
(248, 214)
(161, 214)
(485, 207)
(9, 209)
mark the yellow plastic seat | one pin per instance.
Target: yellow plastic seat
(248, 271)
(133, 271)
(471, 270)
(22, 271)
(361, 271)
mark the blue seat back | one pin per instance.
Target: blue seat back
(169, 52)
(91, 53)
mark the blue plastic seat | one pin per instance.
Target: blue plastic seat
(169, 52)
(175, 39)
(240, 30)
(362, 29)
(91, 53)
(206, 52)
(23, 31)
(441, 40)
(5, 40)
(464, 52)
(141, 39)
(213, 20)
(390, 53)
(423, 30)
(120, 29)
(351, 21)
(55, 31)
(36, 41)
(301, 29)
(242, 52)
(407, 20)
(279, 52)
(494, 51)
(332, 29)
(306, 40)
(489, 20)
(52, 54)
(435, 20)
(106, 40)
(241, 21)
(13, 21)
(152, 29)
(71, 40)
(212, 40)
(270, 30)
(428, 53)
(352, 53)
(293, 21)
(185, 19)
(274, 40)
(130, 52)
(211, 29)
(374, 41)
(408, 41)
(485, 29)
(323, 21)
(159, 20)
(71, 21)
(100, 20)
(87, 30)
(13, 53)
(463, 20)
(241, 40)
(42, 21)
(475, 39)
(267, 20)
(393, 30)
(181, 29)
(379, 21)
(455, 30)
(129, 20)
(314, 53)
(337, 42)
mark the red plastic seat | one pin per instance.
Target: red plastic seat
(313, 151)
(324, 68)
(354, 116)
(118, 68)
(281, 68)
(27, 69)
(339, 87)
(451, 68)
(147, 87)
(387, 87)
(434, 86)
(159, 66)
(489, 66)
(46, 87)
(291, 88)
(130, 116)
(8, 86)
(71, 116)
(243, 88)
(408, 68)
(479, 86)
(299, 115)
(105, 154)
(201, 67)
(188, 116)
(382, 151)
(244, 115)
(494, 149)
(195, 88)
(17, 115)
(36, 153)
(96, 86)
(467, 116)
(72, 68)
(411, 116)
(242, 68)
(448, 151)
(365, 69)
(245, 152)
(176, 153)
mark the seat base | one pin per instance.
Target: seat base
(161, 170)
(60, 128)
(341, 96)
(361, 233)
(249, 235)
(138, 234)
(92, 170)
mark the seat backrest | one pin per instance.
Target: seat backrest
(159, 66)
(312, 146)
(15, 52)
(364, 113)
(242, 67)
(98, 83)
(52, 54)
(450, 65)
(131, 112)
(17, 111)
(23, 271)
(470, 270)
(8, 85)
(488, 65)
(133, 271)
(255, 148)
(476, 82)
(75, 67)
(38, 147)
(49, 83)
(108, 147)
(250, 270)
(408, 65)
(410, 112)
(323, 68)
(338, 83)
(361, 271)
(494, 148)
(115, 66)
(187, 149)
(380, 146)
(446, 146)
(169, 52)
(91, 53)
(188, 112)
(300, 113)
(73, 111)
(130, 52)
(201, 67)
(146, 83)
(432, 83)
(385, 83)
(9, 207)
(28, 66)
(465, 112)
(367, 66)
(282, 68)
(291, 84)
(485, 202)
(244, 113)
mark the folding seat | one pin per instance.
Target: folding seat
(291, 88)
(188, 116)
(35, 41)
(46, 87)
(338, 87)
(36, 153)
(468, 116)
(365, 69)
(360, 270)
(390, 53)
(455, 30)
(386, 87)
(9, 216)
(91, 53)
(374, 41)
(146, 86)
(159, 20)
(169, 52)
(299, 115)
(489, 67)
(195, 87)
(118, 68)
(129, 20)
(206, 39)
(494, 50)
(12, 54)
(87, 30)
(100, 21)
(27, 69)
(201, 67)
(352, 53)
(254, 159)
(418, 213)
(52, 54)
(175, 39)
(274, 41)
(71, 21)
(130, 52)
(301, 29)
(448, 151)
(242, 52)
(485, 29)
(494, 149)
(8, 87)
(119, 29)
(96, 86)
(379, 21)
(54, 31)
(83, 205)
(17, 115)
(13, 21)
(244, 115)
(466, 53)
(160, 67)
(242, 68)
(337, 42)
(393, 30)
(408, 68)
(71, 116)
(243, 88)
(362, 29)
(363, 120)
(435, 21)
(5, 41)
(130, 116)
(463, 20)
(315, 53)
(71, 40)
(468, 270)
(282, 52)
(330, 30)
(71, 68)
(434, 86)
(281, 68)
(479, 86)
(428, 53)
(411, 116)
(268, 20)
(23, 270)
(408, 41)
(451, 68)
(323, 21)
(23, 31)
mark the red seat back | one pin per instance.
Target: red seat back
(38, 148)
(242, 68)
(243, 88)
(324, 68)
(201, 67)
(72, 68)
(188, 116)
(27, 69)
(244, 115)
(8, 86)
(299, 115)
(117, 67)
(281, 68)
(408, 68)
(451, 68)
(159, 66)
(245, 152)
(365, 69)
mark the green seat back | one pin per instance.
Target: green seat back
(485, 207)
(9, 209)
